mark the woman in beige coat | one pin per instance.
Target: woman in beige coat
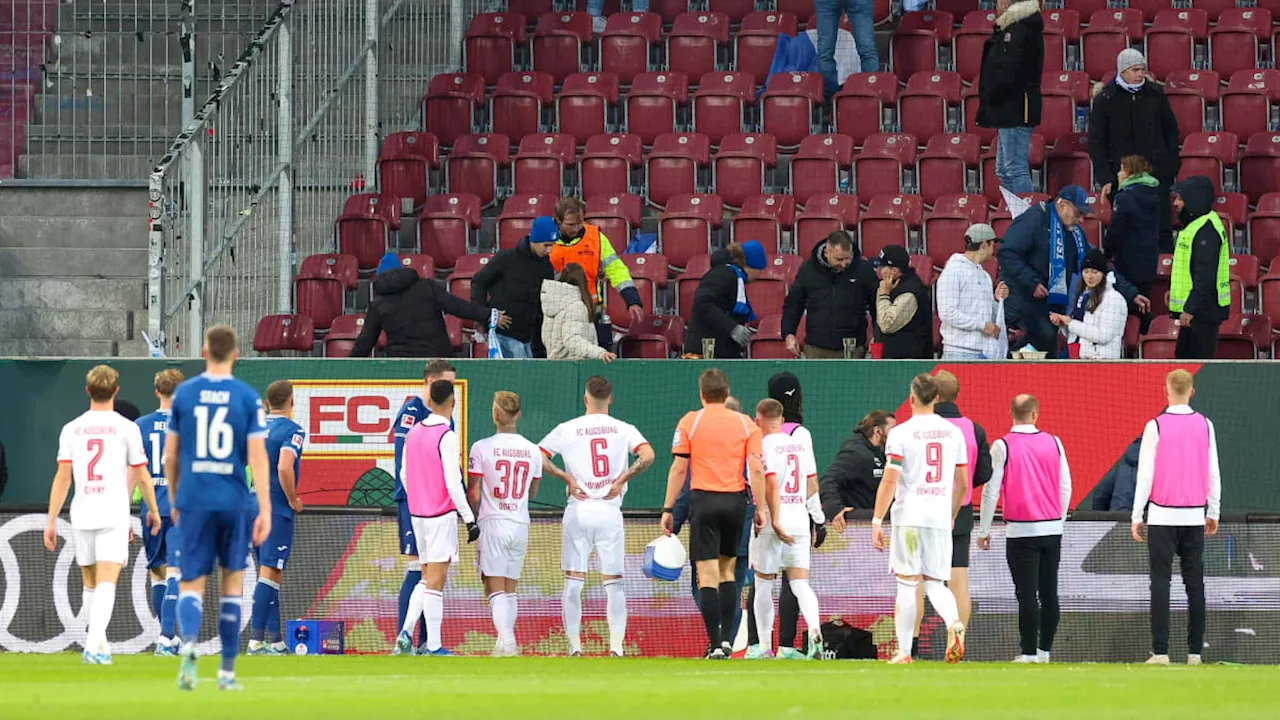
(568, 318)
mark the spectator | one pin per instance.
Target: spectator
(851, 480)
(1200, 289)
(585, 245)
(966, 303)
(862, 17)
(720, 306)
(1009, 88)
(513, 280)
(1132, 241)
(1133, 117)
(904, 312)
(411, 311)
(569, 317)
(1098, 314)
(836, 288)
(1114, 492)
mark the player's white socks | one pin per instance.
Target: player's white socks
(513, 611)
(808, 602)
(764, 612)
(500, 609)
(433, 611)
(86, 608)
(416, 602)
(942, 600)
(104, 602)
(904, 614)
(571, 606)
(616, 612)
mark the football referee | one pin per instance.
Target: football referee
(712, 445)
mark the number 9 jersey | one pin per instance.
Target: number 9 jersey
(926, 449)
(508, 465)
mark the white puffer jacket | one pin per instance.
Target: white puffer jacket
(1101, 333)
(567, 331)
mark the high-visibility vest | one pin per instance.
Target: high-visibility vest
(1180, 282)
(585, 252)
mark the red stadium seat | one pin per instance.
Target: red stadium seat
(321, 286)
(654, 103)
(1269, 297)
(1208, 153)
(685, 228)
(459, 282)
(518, 213)
(824, 214)
(405, 164)
(694, 43)
(1236, 339)
(473, 166)
(445, 227)
(969, 101)
(767, 293)
(558, 41)
(1264, 233)
(1171, 41)
(882, 161)
(451, 103)
(364, 228)
(617, 216)
(1161, 339)
(669, 10)
(424, 265)
(818, 164)
(582, 106)
(1246, 269)
(1150, 9)
(653, 337)
(763, 218)
(648, 272)
(946, 165)
(739, 168)
(343, 334)
(489, 47)
(719, 105)
(735, 10)
(609, 164)
(1249, 101)
(1234, 208)
(789, 106)
(1189, 91)
(531, 9)
(1236, 38)
(914, 46)
(1062, 93)
(1068, 163)
(1061, 31)
(540, 163)
(756, 40)
(923, 267)
(860, 104)
(284, 333)
(687, 284)
(802, 9)
(767, 343)
(628, 42)
(889, 220)
(944, 227)
(1260, 166)
(521, 103)
(925, 106)
(969, 40)
(671, 168)
(1109, 31)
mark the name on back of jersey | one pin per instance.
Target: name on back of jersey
(215, 397)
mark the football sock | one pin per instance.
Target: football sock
(262, 598)
(229, 632)
(190, 610)
(617, 613)
(86, 609)
(788, 614)
(273, 617)
(915, 646)
(709, 606)
(434, 613)
(412, 577)
(763, 606)
(728, 598)
(512, 613)
(904, 614)
(571, 605)
(104, 601)
(499, 609)
(169, 608)
(807, 601)
(942, 600)
(157, 596)
(753, 636)
(417, 600)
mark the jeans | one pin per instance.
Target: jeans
(1163, 543)
(954, 353)
(1013, 165)
(513, 349)
(862, 16)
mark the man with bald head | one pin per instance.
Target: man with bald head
(1030, 468)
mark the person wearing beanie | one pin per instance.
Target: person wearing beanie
(833, 292)
(721, 309)
(512, 280)
(410, 310)
(1132, 116)
(904, 311)
(1098, 313)
(1009, 88)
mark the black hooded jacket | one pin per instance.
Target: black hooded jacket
(1133, 235)
(852, 478)
(411, 311)
(1126, 123)
(1012, 60)
(837, 301)
(512, 282)
(712, 315)
(1197, 197)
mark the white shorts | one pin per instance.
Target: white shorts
(769, 554)
(592, 526)
(437, 538)
(920, 551)
(503, 545)
(101, 545)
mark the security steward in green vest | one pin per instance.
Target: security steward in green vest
(1200, 289)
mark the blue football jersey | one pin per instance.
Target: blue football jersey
(154, 427)
(213, 419)
(283, 433)
(412, 412)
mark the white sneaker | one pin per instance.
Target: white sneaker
(597, 24)
(1193, 659)
(1042, 657)
(1025, 660)
(1158, 660)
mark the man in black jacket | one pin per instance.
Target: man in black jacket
(1009, 88)
(851, 480)
(1200, 287)
(513, 281)
(720, 306)
(904, 309)
(837, 288)
(1114, 492)
(411, 311)
(1133, 117)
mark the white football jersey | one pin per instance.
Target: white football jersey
(927, 449)
(790, 457)
(101, 446)
(507, 465)
(595, 450)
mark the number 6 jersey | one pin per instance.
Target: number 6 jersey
(926, 449)
(595, 449)
(507, 465)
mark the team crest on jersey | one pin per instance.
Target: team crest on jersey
(407, 421)
(297, 438)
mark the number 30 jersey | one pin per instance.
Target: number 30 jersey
(790, 458)
(507, 465)
(926, 449)
(595, 449)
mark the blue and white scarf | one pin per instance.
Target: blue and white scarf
(742, 308)
(1059, 278)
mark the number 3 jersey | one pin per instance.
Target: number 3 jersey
(926, 449)
(101, 446)
(595, 449)
(507, 465)
(790, 458)
(213, 418)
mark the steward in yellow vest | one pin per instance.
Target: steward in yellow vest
(585, 245)
(1200, 288)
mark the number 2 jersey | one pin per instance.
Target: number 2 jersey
(926, 449)
(595, 449)
(507, 465)
(213, 418)
(790, 458)
(101, 446)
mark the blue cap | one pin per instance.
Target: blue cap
(544, 230)
(756, 258)
(1076, 195)
(390, 261)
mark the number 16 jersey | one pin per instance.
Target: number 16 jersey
(926, 449)
(507, 465)
(595, 449)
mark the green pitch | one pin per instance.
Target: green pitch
(293, 688)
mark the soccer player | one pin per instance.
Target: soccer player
(1030, 470)
(1180, 489)
(162, 548)
(595, 448)
(411, 413)
(216, 428)
(101, 452)
(436, 495)
(925, 480)
(791, 480)
(713, 445)
(284, 456)
(505, 469)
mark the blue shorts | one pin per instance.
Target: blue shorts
(274, 553)
(408, 543)
(162, 548)
(213, 538)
